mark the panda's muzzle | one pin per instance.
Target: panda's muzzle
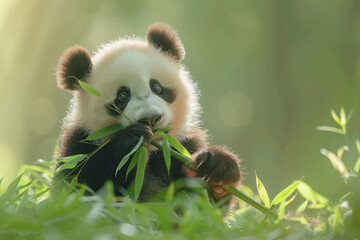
(152, 121)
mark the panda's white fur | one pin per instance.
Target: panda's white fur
(132, 63)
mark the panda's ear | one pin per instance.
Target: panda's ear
(75, 63)
(163, 37)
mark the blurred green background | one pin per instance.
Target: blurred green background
(269, 71)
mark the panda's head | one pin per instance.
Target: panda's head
(141, 78)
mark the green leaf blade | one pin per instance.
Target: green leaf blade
(262, 192)
(358, 145)
(88, 88)
(125, 159)
(342, 117)
(330, 129)
(133, 163)
(336, 162)
(104, 132)
(178, 146)
(166, 152)
(140, 171)
(10, 189)
(283, 205)
(335, 117)
(302, 207)
(70, 162)
(357, 165)
(285, 193)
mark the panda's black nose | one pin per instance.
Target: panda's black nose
(152, 121)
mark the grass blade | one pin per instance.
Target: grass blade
(104, 132)
(262, 192)
(285, 193)
(125, 159)
(178, 146)
(88, 88)
(140, 171)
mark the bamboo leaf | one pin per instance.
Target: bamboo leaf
(336, 162)
(309, 194)
(330, 129)
(165, 150)
(283, 205)
(88, 88)
(164, 129)
(36, 196)
(341, 151)
(262, 192)
(104, 132)
(357, 165)
(125, 159)
(169, 195)
(178, 146)
(358, 145)
(346, 195)
(70, 162)
(70, 158)
(342, 117)
(140, 171)
(74, 182)
(132, 164)
(285, 193)
(337, 218)
(301, 220)
(302, 207)
(44, 163)
(10, 189)
(94, 213)
(335, 117)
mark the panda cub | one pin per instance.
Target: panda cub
(145, 80)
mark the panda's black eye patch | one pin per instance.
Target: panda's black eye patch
(123, 97)
(167, 94)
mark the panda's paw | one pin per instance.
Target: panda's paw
(218, 167)
(138, 130)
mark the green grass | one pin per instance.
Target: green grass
(31, 209)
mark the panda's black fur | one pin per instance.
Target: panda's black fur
(169, 97)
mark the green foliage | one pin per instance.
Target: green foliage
(181, 211)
